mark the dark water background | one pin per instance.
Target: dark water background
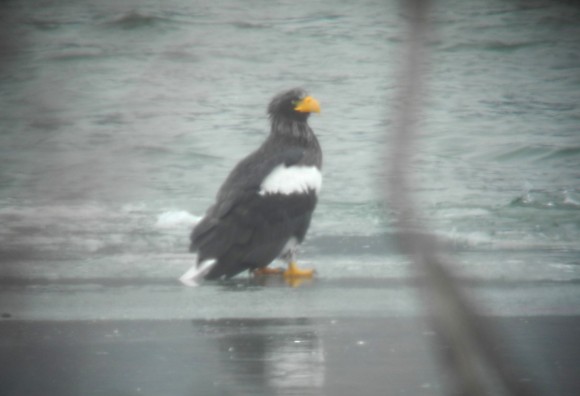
(120, 119)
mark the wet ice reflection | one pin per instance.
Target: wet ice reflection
(296, 363)
(270, 356)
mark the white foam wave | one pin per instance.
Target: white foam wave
(176, 219)
(504, 241)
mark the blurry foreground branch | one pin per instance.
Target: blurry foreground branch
(471, 363)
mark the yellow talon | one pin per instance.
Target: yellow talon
(294, 271)
(264, 271)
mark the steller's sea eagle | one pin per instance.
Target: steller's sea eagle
(263, 209)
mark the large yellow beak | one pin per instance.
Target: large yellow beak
(308, 105)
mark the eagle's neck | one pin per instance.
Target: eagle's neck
(296, 130)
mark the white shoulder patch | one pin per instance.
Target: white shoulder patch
(291, 180)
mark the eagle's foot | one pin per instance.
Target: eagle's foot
(264, 271)
(294, 271)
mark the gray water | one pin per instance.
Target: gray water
(121, 119)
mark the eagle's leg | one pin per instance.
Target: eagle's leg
(293, 270)
(267, 271)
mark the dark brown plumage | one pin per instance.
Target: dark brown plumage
(263, 209)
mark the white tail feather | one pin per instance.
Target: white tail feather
(193, 276)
